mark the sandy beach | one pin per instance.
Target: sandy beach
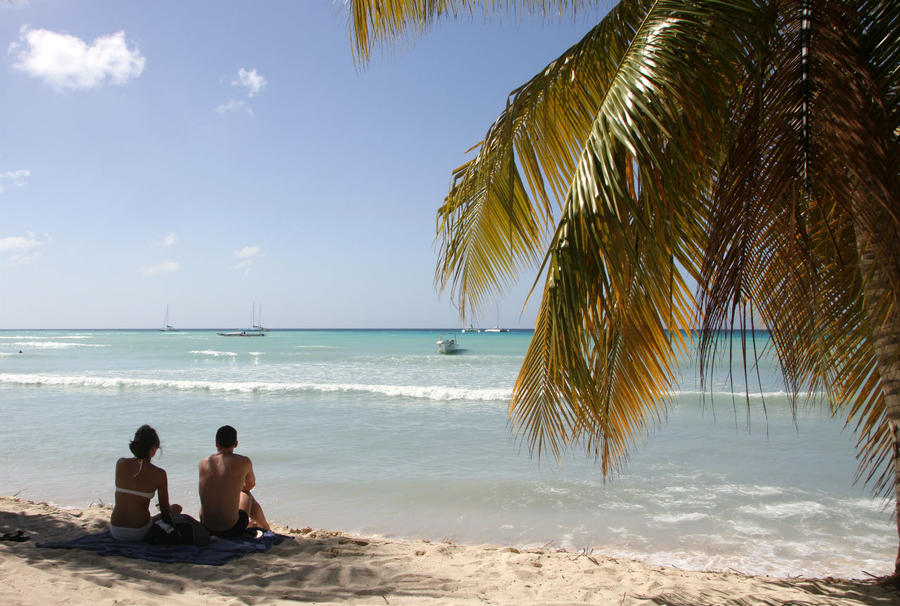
(330, 567)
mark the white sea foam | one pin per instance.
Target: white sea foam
(674, 518)
(433, 392)
(784, 510)
(873, 505)
(55, 345)
(213, 353)
(738, 394)
(743, 528)
(750, 491)
(42, 338)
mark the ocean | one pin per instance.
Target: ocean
(373, 432)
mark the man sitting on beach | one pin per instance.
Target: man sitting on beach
(226, 506)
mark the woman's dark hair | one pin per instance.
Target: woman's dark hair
(145, 438)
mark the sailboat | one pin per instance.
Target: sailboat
(254, 324)
(255, 330)
(497, 327)
(166, 326)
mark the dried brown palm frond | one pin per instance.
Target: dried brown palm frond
(811, 137)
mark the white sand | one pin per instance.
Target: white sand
(327, 567)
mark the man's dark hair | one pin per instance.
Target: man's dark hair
(226, 437)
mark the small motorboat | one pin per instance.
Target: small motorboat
(447, 344)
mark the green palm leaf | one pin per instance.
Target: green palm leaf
(753, 146)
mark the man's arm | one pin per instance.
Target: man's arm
(250, 478)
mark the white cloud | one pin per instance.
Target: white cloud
(246, 255)
(16, 177)
(234, 106)
(248, 252)
(166, 267)
(21, 250)
(168, 241)
(66, 62)
(250, 80)
(13, 4)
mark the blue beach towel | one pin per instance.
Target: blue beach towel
(218, 552)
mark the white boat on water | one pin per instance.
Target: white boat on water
(470, 329)
(255, 323)
(447, 344)
(497, 327)
(255, 330)
(242, 333)
(166, 326)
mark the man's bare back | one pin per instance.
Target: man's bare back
(226, 479)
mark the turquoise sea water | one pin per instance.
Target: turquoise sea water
(374, 432)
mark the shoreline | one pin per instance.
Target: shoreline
(332, 567)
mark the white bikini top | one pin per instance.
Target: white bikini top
(137, 493)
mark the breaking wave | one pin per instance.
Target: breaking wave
(427, 392)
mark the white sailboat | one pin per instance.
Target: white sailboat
(166, 326)
(497, 327)
(254, 324)
(255, 330)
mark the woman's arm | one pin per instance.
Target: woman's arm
(162, 491)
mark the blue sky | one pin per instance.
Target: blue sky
(206, 155)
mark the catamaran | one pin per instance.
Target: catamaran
(497, 327)
(242, 333)
(255, 330)
(254, 324)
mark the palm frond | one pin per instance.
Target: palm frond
(377, 21)
(491, 227)
(634, 214)
(752, 146)
(784, 231)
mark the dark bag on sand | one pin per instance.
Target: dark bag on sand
(184, 530)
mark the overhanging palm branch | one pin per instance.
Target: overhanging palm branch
(374, 21)
(491, 225)
(783, 235)
(752, 145)
(634, 211)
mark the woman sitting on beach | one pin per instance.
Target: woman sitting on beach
(136, 481)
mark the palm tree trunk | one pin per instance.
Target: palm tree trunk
(881, 308)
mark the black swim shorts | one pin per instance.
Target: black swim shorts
(238, 529)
